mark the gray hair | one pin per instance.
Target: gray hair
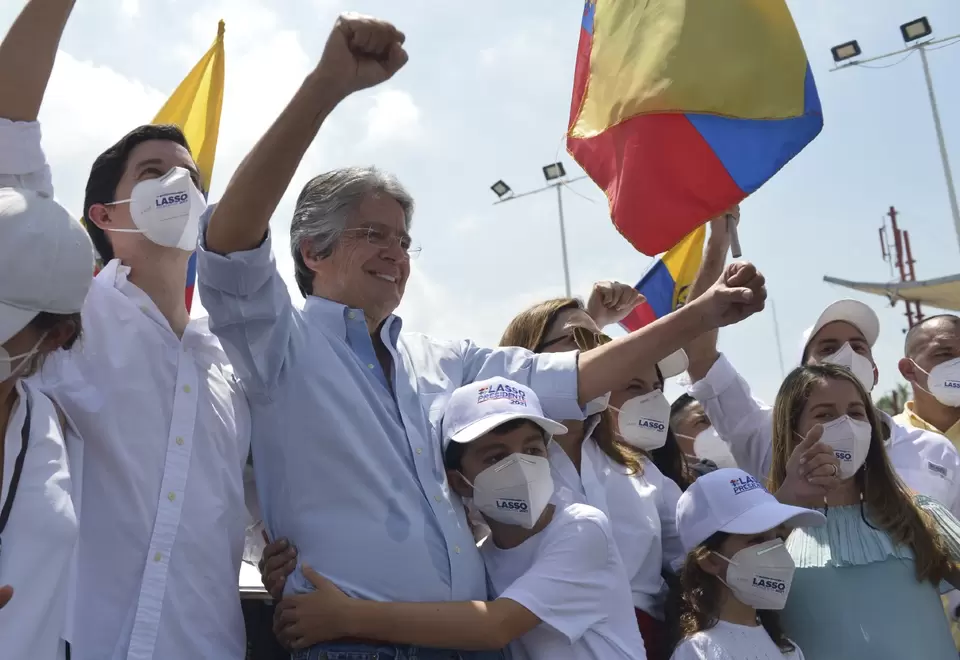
(325, 205)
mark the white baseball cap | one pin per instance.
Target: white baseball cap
(854, 312)
(730, 500)
(47, 260)
(476, 409)
(674, 364)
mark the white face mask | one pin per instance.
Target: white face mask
(643, 421)
(850, 440)
(861, 367)
(167, 210)
(760, 576)
(515, 491)
(6, 360)
(597, 405)
(943, 382)
(710, 446)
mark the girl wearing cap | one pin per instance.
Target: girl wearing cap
(554, 568)
(737, 573)
(48, 264)
(623, 459)
(866, 583)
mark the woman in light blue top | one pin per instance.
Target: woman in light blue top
(866, 583)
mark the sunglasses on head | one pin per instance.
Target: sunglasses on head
(584, 339)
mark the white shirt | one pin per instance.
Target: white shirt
(571, 577)
(730, 641)
(927, 462)
(642, 510)
(39, 539)
(166, 433)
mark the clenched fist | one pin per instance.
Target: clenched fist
(361, 52)
(739, 294)
(611, 302)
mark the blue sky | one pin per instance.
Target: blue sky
(486, 96)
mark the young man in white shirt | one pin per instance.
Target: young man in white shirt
(560, 587)
(165, 426)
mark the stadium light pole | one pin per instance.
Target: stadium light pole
(556, 177)
(915, 35)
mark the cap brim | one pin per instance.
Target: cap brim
(854, 312)
(674, 364)
(13, 320)
(483, 426)
(773, 514)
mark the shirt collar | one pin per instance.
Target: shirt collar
(334, 316)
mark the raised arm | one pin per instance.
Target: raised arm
(27, 55)
(738, 294)
(361, 52)
(702, 351)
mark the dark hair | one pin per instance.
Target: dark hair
(702, 593)
(680, 404)
(46, 321)
(108, 169)
(916, 336)
(453, 457)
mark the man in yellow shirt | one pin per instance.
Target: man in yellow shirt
(932, 365)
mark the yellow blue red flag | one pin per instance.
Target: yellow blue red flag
(667, 282)
(195, 107)
(682, 108)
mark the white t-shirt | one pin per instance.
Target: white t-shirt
(571, 577)
(731, 641)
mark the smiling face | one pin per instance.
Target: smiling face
(369, 266)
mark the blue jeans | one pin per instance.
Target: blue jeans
(341, 651)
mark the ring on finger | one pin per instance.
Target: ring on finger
(835, 470)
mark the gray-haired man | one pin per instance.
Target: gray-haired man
(346, 409)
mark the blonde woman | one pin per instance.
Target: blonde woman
(866, 583)
(610, 461)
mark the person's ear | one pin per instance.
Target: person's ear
(99, 214)
(459, 484)
(59, 336)
(908, 370)
(712, 564)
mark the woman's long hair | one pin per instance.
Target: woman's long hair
(527, 330)
(702, 597)
(886, 503)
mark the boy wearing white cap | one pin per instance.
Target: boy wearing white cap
(48, 263)
(738, 572)
(560, 587)
(844, 334)
(165, 425)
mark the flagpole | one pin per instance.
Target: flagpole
(776, 332)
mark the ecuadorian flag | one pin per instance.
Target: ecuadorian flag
(666, 284)
(682, 108)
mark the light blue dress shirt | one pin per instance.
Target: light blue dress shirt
(351, 473)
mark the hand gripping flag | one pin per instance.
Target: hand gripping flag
(682, 108)
(195, 107)
(667, 282)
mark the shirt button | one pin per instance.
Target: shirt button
(438, 498)
(419, 450)
(180, 441)
(144, 309)
(369, 366)
(186, 388)
(457, 549)
(351, 315)
(157, 557)
(172, 496)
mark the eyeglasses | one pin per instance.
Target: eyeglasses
(584, 340)
(384, 239)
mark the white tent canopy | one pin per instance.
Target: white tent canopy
(942, 292)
